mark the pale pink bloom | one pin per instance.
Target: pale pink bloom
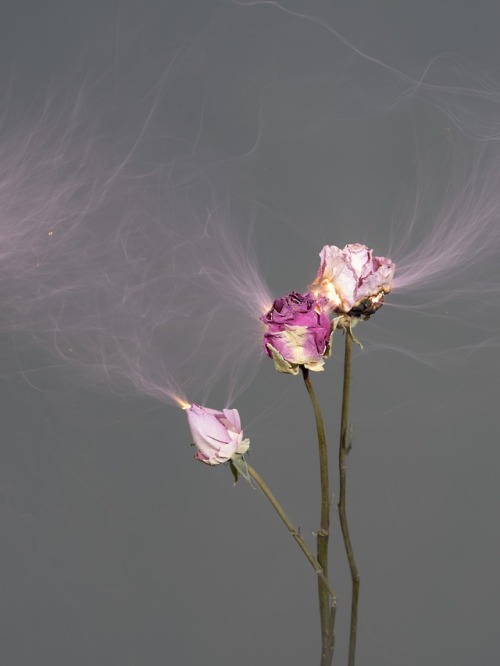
(217, 435)
(352, 281)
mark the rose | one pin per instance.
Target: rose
(298, 333)
(217, 435)
(352, 281)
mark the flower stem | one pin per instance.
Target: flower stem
(327, 622)
(344, 449)
(332, 597)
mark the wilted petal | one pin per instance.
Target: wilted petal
(298, 333)
(351, 281)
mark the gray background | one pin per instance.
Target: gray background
(117, 548)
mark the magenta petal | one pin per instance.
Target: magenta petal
(298, 332)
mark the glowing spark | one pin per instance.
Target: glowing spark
(182, 403)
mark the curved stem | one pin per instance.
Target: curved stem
(295, 534)
(344, 449)
(322, 537)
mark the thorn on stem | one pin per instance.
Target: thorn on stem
(349, 445)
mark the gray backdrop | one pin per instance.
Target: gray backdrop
(137, 123)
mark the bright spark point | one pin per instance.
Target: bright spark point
(182, 403)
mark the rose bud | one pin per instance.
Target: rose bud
(217, 435)
(352, 281)
(298, 333)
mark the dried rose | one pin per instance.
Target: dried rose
(298, 333)
(352, 281)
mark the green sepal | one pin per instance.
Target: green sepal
(239, 468)
(234, 471)
(329, 346)
(352, 324)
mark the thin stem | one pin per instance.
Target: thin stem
(295, 534)
(322, 537)
(344, 449)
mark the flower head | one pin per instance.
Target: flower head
(217, 435)
(298, 333)
(352, 281)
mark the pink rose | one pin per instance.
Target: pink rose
(352, 281)
(217, 435)
(298, 333)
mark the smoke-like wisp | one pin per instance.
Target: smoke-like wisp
(134, 263)
(447, 245)
(115, 270)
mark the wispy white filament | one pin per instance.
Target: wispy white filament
(147, 221)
